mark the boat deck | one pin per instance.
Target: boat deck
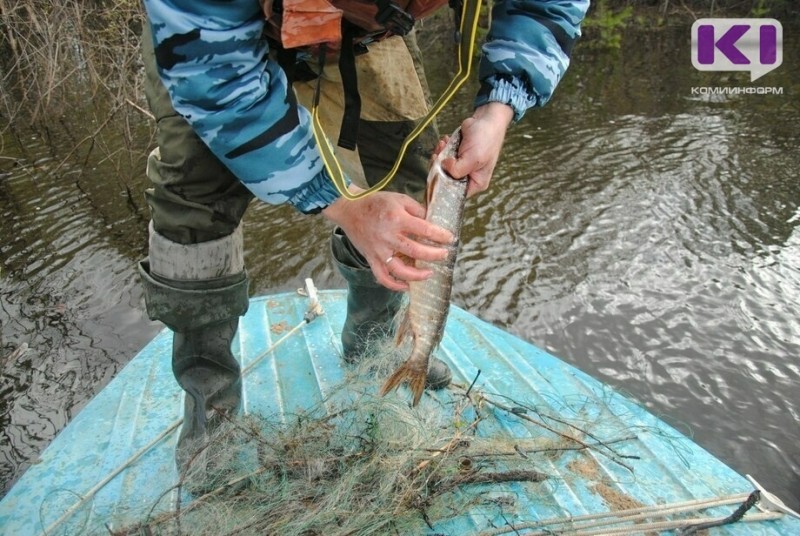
(143, 402)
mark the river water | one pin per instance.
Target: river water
(646, 233)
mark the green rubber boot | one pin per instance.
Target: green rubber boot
(204, 316)
(199, 291)
(371, 309)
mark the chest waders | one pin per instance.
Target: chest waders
(194, 279)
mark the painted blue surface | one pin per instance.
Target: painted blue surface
(144, 400)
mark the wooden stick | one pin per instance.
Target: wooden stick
(551, 429)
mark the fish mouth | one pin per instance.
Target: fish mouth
(438, 169)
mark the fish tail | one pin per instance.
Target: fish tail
(407, 373)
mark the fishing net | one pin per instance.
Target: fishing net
(363, 464)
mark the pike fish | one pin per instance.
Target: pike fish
(424, 318)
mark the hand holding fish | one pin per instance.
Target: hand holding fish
(482, 140)
(429, 300)
(387, 227)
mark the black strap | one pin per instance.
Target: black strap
(348, 134)
(287, 59)
(323, 52)
(466, 53)
(457, 6)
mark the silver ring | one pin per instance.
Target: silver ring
(390, 259)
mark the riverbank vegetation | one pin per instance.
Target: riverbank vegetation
(71, 78)
(59, 56)
(608, 18)
(707, 8)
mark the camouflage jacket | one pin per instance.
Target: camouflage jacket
(214, 64)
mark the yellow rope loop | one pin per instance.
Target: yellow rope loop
(466, 49)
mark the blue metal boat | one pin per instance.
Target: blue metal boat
(115, 459)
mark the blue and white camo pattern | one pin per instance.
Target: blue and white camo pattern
(213, 61)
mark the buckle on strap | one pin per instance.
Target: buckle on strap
(393, 18)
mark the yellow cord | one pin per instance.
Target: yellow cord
(466, 49)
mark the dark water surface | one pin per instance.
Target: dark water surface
(647, 235)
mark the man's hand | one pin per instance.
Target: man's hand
(388, 226)
(482, 139)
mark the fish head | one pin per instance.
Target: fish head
(450, 150)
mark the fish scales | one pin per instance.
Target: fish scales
(429, 301)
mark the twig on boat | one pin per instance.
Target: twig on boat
(584, 524)
(473, 383)
(638, 528)
(517, 410)
(472, 476)
(157, 502)
(269, 350)
(518, 475)
(613, 456)
(738, 514)
(508, 523)
(519, 451)
(130, 461)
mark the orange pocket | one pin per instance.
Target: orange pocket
(310, 22)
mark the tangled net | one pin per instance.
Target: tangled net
(361, 464)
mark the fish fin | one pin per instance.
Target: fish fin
(414, 376)
(417, 385)
(431, 186)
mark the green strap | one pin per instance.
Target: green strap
(466, 49)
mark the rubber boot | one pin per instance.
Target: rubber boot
(371, 309)
(204, 316)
